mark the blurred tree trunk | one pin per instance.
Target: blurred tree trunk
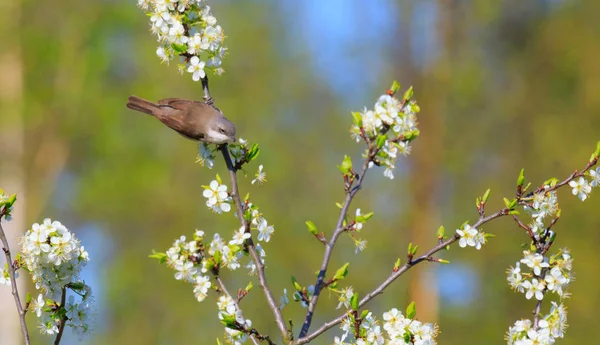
(12, 142)
(424, 181)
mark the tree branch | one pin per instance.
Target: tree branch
(389, 280)
(235, 302)
(260, 268)
(63, 320)
(339, 228)
(13, 281)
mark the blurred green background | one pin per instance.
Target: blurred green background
(502, 85)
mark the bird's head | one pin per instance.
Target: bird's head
(220, 130)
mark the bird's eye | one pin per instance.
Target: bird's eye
(222, 130)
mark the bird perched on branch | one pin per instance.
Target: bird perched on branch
(194, 120)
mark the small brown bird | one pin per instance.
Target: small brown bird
(192, 119)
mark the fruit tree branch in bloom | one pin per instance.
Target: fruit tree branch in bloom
(260, 268)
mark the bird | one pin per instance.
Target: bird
(194, 120)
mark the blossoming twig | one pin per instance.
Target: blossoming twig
(379, 290)
(13, 281)
(339, 228)
(260, 268)
(235, 301)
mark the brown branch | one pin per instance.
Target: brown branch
(339, 229)
(390, 279)
(260, 267)
(536, 315)
(63, 319)
(13, 280)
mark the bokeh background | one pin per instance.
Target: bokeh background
(503, 85)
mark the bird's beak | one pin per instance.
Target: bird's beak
(233, 139)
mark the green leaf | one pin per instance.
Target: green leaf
(397, 264)
(395, 87)
(364, 313)
(410, 245)
(229, 321)
(217, 257)
(161, 257)
(354, 301)
(346, 165)
(408, 94)
(510, 204)
(342, 272)
(411, 310)
(521, 178)
(486, 195)
(364, 217)
(597, 153)
(11, 200)
(311, 227)
(252, 153)
(441, 231)
(28, 298)
(249, 287)
(179, 48)
(297, 286)
(415, 248)
(340, 206)
(218, 341)
(381, 141)
(551, 182)
(219, 179)
(412, 135)
(442, 261)
(357, 119)
(513, 212)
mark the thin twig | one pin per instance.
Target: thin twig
(207, 98)
(536, 315)
(235, 302)
(260, 267)
(63, 319)
(390, 279)
(13, 281)
(339, 228)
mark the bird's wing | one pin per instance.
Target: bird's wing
(176, 103)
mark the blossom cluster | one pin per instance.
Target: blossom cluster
(391, 125)
(399, 330)
(194, 260)
(187, 259)
(235, 324)
(472, 237)
(547, 274)
(187, 28)
(55, 257)
(549, 327)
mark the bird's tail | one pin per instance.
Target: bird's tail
(138, 104)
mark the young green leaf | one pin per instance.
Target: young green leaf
(342, 272)
(408, 94)
(162, 257)
(486, 195)
(346, 165)
(311, 227)
(395, 87)
(354, 301)
(521, 179)
(411, 310)
(440, 232)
